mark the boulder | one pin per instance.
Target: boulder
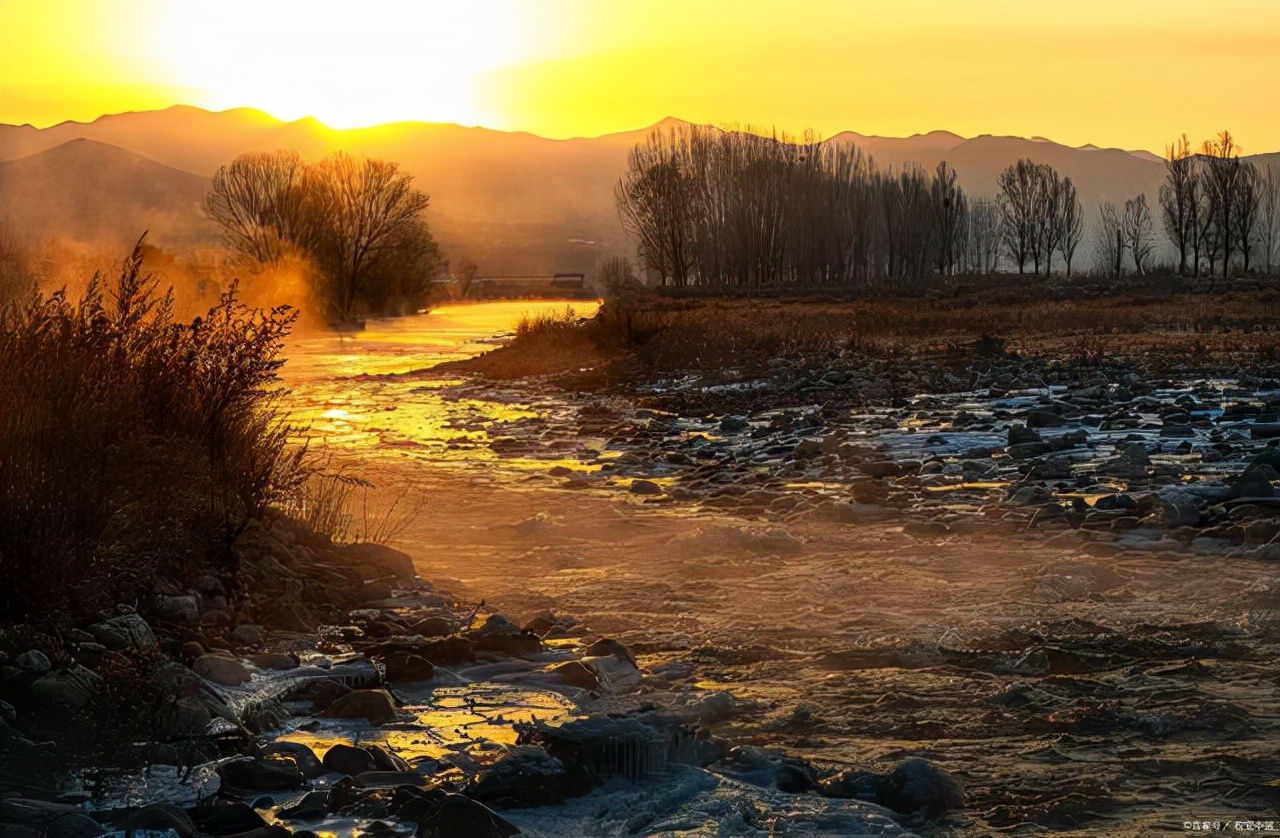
(645, 487)
(181, 610)
(274, 661)
(453, 815)
(252, 774)
(375, 706)
(1021, 435)
(920, 787)
(248, 635)
(128, 631)
(384, 560)
(221, 670)
(34, 661)
(348, 759)
(74, 686)
(1178, 509)
(301, 757)
(406, 666)
(434, 627)
(1255, 482)
(576, 674)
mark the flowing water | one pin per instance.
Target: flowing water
(1073, 688)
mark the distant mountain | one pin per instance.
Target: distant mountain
(510, 202)
(98, 193)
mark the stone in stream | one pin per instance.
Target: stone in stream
(406, 666)
(447, 815)
(1021, 435)
(382, 561)
(221, 670)
(182, 610)
(251, 774)
(347, 759)
(301, 757)
(645, 487)
(375, 706)
(1265, 430)
(916, 787)
(434, 627)
(1254, 482)
(576, 674)
(40, 819)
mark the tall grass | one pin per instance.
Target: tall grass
(133, 447)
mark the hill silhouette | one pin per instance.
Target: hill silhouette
(510, 202)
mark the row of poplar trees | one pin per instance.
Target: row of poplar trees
(737, 210)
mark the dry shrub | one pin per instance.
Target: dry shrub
(133, 447)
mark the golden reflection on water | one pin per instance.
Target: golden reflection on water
(374, 391)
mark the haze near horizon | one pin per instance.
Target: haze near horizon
(1130, 75)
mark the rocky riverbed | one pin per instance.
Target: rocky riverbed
(840, 597)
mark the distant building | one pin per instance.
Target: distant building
(554, 285)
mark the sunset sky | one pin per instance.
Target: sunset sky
(1127, 73)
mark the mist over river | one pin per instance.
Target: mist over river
(1072, 686)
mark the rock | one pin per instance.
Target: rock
(227, 817)
(1254, 482)
(181, 610)
(320, 693)
(251, 774)
(733, 424)
(454, 815)
(919, 786)
(406, 666)
(33, 661)
(384, 760)
(160, 818)
(221, 670)
(1261, 430)
(609, 646)
(527, 776)
(434, 627)
(807, 449)
(313, 805)
(348, 760)
(128, 631)
(1178, 509)
(74, 686)
(39, 819)
(1021, 435)
(89, 654)
(794, 778)
(1118, 501)
(645, 487)
(881, 469)
(1044, 419)
(576, 674)
(376, 706)
(386, 561)
(1027, 450)
(248, 635)
(274, 661)
(616, 675)
(302, 758)
(389, 779)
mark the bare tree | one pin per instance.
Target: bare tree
(1109, 246)
(259, 202)
(1269, 215)
(365, 211)
(1245, 213)
(1223, 173)
(1178, 198)
(984, 236)
(949, 211)
(1137, 230)
(1070, 222)
(358, 220)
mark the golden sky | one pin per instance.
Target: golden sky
(1128, 73)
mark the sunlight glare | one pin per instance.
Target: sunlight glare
(346, 64)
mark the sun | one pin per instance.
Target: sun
(348, 64)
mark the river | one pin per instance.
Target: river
(1073, 688)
